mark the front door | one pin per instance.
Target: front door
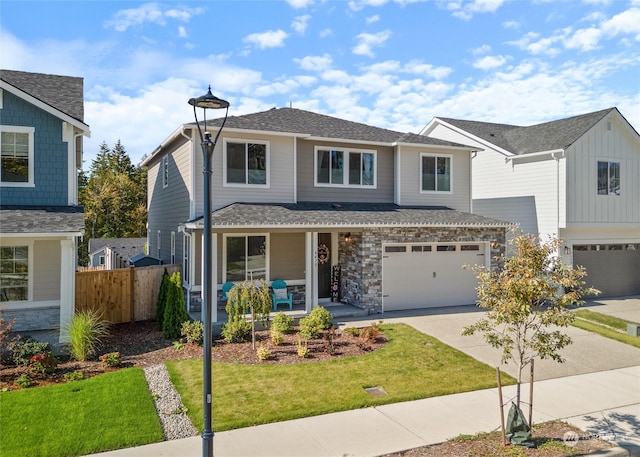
(324, 265)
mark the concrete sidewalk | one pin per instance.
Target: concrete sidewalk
(605, 404)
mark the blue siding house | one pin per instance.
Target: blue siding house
(42, 126)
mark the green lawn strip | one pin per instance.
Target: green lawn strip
(412, 366)
(607, 332)
(603, 319)
(110, 411)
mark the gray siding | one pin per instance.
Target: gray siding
(307, 192)
(46, 270)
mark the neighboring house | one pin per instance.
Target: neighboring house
(42, 124)
(576, 178)
(298, 194)
(112, 253)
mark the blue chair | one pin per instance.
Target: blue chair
(280, 295)
(226, 287)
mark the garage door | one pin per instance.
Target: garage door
(614, 269)
(429, 275)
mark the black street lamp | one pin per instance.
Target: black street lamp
(207, 101)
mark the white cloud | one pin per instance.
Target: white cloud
(268, 39)
(325, 33)
(467, 10)
(512, 24)
(420, 68)
(149, 12)
(297, 4)
(182, 32)
(300, 23)
(627, 22)
(373, 19)
(584, 39)
(315, 63)
(490, 62)
(485, 48)
(366, 42)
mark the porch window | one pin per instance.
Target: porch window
(16, 155)
(186, 252)
(246, 257)
(246, 163)
(608, 178)
(353, 168)
(14, 273)
(435, 173)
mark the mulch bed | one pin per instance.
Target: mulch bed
(142, 344)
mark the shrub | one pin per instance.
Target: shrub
(236, 331)
(162, 298)
(86, 332)
(263, 353)
(369, 335)
(74, 376)
(24, 381)
(318, 319)
(22, 351)
(178, 345)
(282, 323)
(5, 332)
(175, 312)
(193, 332)
(277, 338)
(110, 359)
(43, 363)
(303, 349)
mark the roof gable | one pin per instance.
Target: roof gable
(558, 134)
(63, 93)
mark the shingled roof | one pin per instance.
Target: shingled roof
(307, 123)
(326, 214)
(42, 219)
(64, 93)
(559, 134)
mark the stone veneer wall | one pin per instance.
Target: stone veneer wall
(361, 258)
(28, 320)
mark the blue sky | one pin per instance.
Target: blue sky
(393, 64)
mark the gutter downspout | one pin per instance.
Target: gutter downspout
(472, 156)
(557, 155)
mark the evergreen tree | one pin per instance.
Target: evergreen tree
(175, 312)
(162, 297)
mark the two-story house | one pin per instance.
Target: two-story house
(379, 218)
(42, 125)
(576, 178)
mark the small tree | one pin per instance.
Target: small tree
(527, 300)
(175, 312)
(162, 297)
(252, 296)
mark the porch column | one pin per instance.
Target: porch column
(308, 272)
(67, 285)
(214, 277)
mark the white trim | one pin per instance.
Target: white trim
(30, 131)
(436, 157)
(550, 152)
(429, 128)
(308, 271)
(246, 184)
(345, 167)
(67, 285)
(173, 247)
(164, 169)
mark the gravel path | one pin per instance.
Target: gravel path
(171, 412)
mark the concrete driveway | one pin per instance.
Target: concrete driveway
(588, 353)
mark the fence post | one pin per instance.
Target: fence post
(132, 295)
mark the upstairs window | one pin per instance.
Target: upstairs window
(165, 171)
(16, 155)
(14, 273)
(435, 173)
(246, 163)
(608, 178)
(348, 168)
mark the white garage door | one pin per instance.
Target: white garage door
(429, 275)
(614, 269)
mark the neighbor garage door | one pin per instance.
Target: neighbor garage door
(614, 269)
(429, 275)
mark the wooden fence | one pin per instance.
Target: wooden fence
(121, 295)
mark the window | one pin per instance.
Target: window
(173, 248)
(165, 171)
(186, 250)
(158, 239)
(246, 257)
(16, 155)
(608, 178)
(435, 173)
(420, 248)
(14, 273)
(101, 260)
(246, 163)
(395, 249)
(446, 248)
(345, 168)
(470, 247)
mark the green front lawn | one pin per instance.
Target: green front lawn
(604, 325)
(412, 366)
(110, 411)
